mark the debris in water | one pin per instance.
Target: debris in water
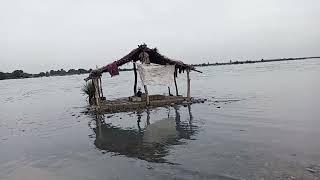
(311, 170)
(291, 178)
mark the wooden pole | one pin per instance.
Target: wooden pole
(147, 94)
(95, 83)
(169, 90)
(135, 79)
(101, 87)
(188, 84)
(175, 82)
(98, 85)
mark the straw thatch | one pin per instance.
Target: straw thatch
(154, 57)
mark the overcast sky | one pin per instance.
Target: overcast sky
(39, 35)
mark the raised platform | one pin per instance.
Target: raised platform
(125, 104)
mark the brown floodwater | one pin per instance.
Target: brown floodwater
(261, 121)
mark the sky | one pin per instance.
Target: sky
(39, 35)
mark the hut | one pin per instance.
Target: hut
(151, 66)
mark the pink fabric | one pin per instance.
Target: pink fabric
(113, 69)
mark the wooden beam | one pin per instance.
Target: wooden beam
(135, 79)
(196, 70)
(147, 94)
(120, 62)
(188, 84)
(175, 81)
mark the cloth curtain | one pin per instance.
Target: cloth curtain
(154, 74)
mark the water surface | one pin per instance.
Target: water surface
(261, 121)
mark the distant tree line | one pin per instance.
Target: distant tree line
(19, 74)
(252, 61)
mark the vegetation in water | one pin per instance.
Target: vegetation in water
(89, 90)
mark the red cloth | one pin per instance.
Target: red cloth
(113, 69)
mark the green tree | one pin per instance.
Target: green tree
(2, 76)
(17, 74)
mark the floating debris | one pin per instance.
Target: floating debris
(311, 170)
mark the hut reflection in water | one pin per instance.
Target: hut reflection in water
(150, 141)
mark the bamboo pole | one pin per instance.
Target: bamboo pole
(101, 86)
(135, 79)
(188, 84)
(97, 97)
(175, 82)
(98, 85)
(147, 94)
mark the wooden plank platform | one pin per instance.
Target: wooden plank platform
(124, 104)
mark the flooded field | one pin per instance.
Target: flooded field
(261, 121)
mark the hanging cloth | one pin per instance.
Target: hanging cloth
(113, 69)
(154, 74)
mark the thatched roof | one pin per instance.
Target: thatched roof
(154, 57)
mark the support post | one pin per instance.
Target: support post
(147, 94)
(98, 84)
(101, 87)
(175, 82)
(169, 91)
(188, 84)
(96, 87)
(135, 79)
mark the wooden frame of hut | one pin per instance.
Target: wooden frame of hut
(139, 54)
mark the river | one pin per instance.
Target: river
(261, 121)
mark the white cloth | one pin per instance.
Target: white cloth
(154, 74)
